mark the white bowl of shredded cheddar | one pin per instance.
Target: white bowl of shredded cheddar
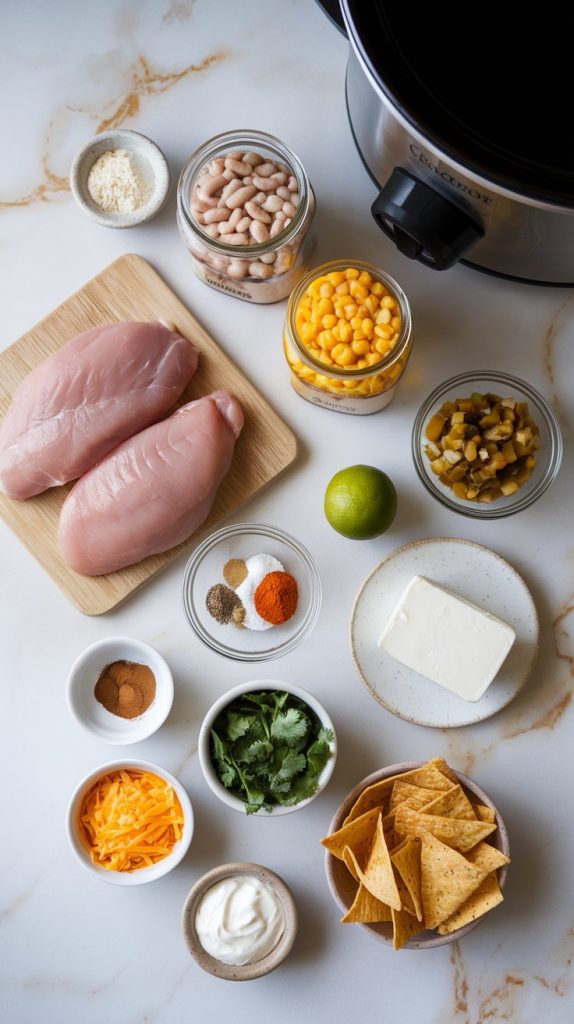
(130, 822)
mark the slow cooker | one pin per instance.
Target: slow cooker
(460, 118)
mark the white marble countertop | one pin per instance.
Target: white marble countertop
(72, 948)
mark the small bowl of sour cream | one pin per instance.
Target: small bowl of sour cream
(239, 921)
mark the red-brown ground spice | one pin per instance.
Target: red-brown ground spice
(276, 597)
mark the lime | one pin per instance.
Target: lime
(360, 502)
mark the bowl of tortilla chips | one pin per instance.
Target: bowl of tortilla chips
(417, 854)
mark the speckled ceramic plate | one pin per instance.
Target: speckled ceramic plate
(471, 571)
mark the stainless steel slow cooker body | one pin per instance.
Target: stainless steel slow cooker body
(439, 211)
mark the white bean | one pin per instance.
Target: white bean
(212, 230)
(263, 184)
(268, 257)
(259, 231)
(198, 207)
(248, 179)
(275, 228)
(229, 175)
(280, 177)
(257, 213)
(288, 209)
(236, 155)
(266, 169)
(229, 189)
(252, 159)
(287, 222)
(238, 166)
(295, 199)
(241, 196)
(284, 261)
(227, 228)
(216, 166)
(292, 184)
(237, 239)
(238, 269)
(273, 204)
(244, 224)
(260, 270)
(284, 192)
(219, 213)
(260, 197)
(211, 186)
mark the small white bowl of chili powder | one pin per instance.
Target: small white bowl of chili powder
(120, 690)
(251, 592)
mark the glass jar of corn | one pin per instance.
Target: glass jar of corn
(347, 337)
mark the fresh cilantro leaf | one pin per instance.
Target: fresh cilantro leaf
(318, 754)
(292, 764)
(304, 786)
(237, 725)
(290, 727)
(260, 750)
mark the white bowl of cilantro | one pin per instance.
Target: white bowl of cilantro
(267, 748)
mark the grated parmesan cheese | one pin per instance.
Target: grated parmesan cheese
(115, 184)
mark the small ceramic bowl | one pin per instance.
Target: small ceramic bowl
(93, 716)
(245, 972)
(549, 456)
(142, 875)
(204, 743)
(149, 162)
(343, 887)
(205, 569)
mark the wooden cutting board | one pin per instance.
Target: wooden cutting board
(129, 289)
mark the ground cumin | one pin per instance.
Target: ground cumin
(276, 596)
(125, 688)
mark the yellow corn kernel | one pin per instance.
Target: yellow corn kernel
(372, 358)
(382, 331)
(343, 355)
(336, 277)
(365, 278)
(350, 310)
(328, 321)
(299, 321)
(396, 323)
(362, 311)
(388, 302)
(315, 316)
(378, 289)
(359, 335)
(350, 385)
(326, 289)
(360, 346)
(358, 291)
(308, 374)
(351, 273)
(324, 306)
(356, 322)
(343, 288)
(395, 337)
(339, 306)
(345, 330)
(308, 332)
(326, 340)
(361, 363)
(384, 316)
(382, 346)
(314, 288)
(325, 358)
(368, 327)
(372, 303)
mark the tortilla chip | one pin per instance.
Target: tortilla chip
(487, 857)
(404, 925)
(485, 813)
(379, 877)
(487, 896)
(351, 863)
(455, 832)
(434, 774)
(411, 795)
(407, 860)
(447, 880)
(407, 903)
(367, 908)
(453, 803)
(357, 834)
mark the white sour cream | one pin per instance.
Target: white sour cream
(239, 920)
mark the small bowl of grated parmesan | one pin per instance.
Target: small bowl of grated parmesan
(120, 178)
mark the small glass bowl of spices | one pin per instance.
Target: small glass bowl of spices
(251, 592)
(120, 178)
(120, 690)
(244, 210)
(347, 337)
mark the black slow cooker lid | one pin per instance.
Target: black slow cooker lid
(490, 91)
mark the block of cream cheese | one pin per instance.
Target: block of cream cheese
(447, 639)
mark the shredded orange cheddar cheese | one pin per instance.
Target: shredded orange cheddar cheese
(130, 819)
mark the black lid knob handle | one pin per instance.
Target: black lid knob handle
(423, 224)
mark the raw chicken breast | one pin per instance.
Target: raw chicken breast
(93, 393)
(153, 491)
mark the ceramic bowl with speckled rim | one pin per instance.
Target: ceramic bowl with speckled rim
(548, 459)
(343, 886)
(243, 972)
(149, 162)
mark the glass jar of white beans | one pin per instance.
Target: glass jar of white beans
(347, 337)
(244, 208)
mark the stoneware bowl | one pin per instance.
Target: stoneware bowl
(150, 162)
(142, 875)
(204, 743)
(343, 887)
(246, 972)
(92, 715)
